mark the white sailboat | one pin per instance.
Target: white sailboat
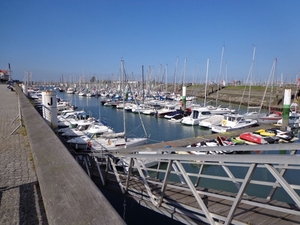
(109, 141)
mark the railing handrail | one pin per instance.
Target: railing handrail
(238, 158)
(274, 164)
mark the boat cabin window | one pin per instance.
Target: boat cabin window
(80, 128)
(206, 113)
(90, 135)
(293, 117)
(98, 134)
(195, 114)
(86, 126)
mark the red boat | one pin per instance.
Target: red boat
(255, 138)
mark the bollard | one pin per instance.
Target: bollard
(50, 108)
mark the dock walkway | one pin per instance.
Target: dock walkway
(20, 197)
(189, 141)
(40, 182)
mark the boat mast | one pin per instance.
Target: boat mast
(166, 78)
(219, 76)
(143, 88)
(270, 79)
(123, 78)
(183, 77)
(206, 80)
(175, 75)
(251, 74)
(272, 83)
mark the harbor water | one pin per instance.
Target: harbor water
(158, 129)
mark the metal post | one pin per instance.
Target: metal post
(20, 118)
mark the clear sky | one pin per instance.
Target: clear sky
(73, 38)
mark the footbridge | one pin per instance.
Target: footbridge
(239, 188)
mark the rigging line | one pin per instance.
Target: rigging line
(129, 88)
(134, 129)
(249, 79)
(272, 72)
(219, 75)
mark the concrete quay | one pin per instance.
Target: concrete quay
(20, 196)
(40, 181)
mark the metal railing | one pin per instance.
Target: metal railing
(236, 178)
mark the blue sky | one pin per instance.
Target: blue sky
(88, 38)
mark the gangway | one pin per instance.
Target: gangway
(239, 188)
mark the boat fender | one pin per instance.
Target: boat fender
(89, 144)
(224, 122)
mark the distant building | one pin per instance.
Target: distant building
(4, 75)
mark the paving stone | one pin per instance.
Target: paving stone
(20, 201)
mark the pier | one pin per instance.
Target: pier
(63, 186)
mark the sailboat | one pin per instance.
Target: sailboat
(273, 116)
(109, 141)
(198, 113)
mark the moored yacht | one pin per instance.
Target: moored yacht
(233, 122)
(212, 120)
(197, 114)
(165, 110)
(70, 90)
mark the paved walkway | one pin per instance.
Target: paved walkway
(20, 199)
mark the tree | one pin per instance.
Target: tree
(93, 79)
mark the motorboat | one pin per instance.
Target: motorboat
(63, 113)
(178, 118)
(197, 114)
(84, 128)
(105, 141)
(72, 119)
(66, 114)
(112, 142)
(293, 122)
(212, 120)
(165, 110)
(139, 108)
(95, 132)
(270, 118)
(233, 122)
(220, 110)
(176, 114)
(70, 90)
(81, 125)
(150, 111)
(63, 105)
